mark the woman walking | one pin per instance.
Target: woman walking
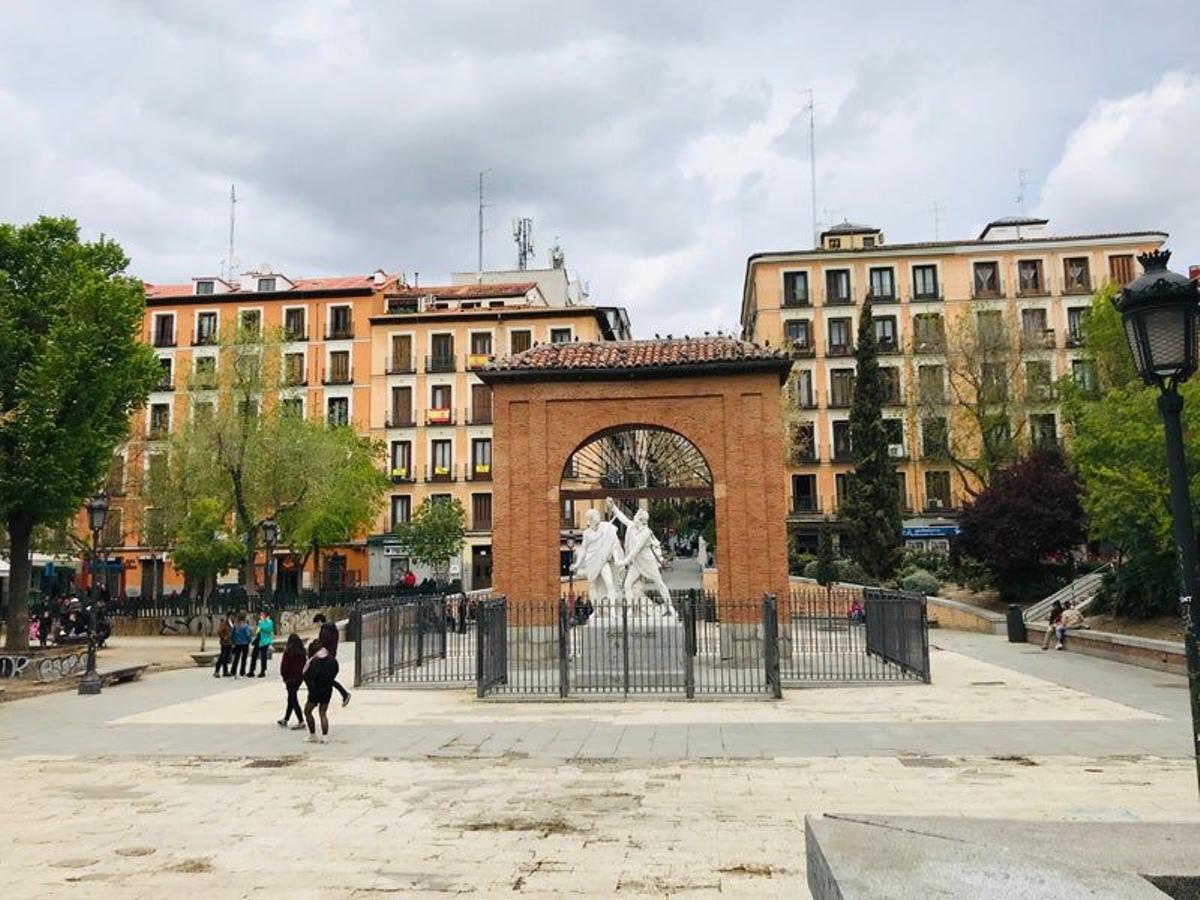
(319, 674)
(291, 670)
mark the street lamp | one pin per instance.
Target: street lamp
(1160, 309)
(97, 512)
(270, 536)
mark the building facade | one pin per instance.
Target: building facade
(391, 360)
(973, 336)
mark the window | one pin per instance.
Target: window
(481, 404)
(795, 289)
(441, 396)
(902, 491)
(987, 279)
(164, 330)
(247, 409)
(401, 509)
(1121, 268)
(293, 368)
(925, 283)
(481, 457)
(401, 361)
(1076, 319)
(841, 387)
(868, 242)
(799, 332)
(803, 387)
(997, 438)
(889, 379)
(481, 512)
(441, 353)
(937, 490)
(993, 382)
(989, 328)
(883, 283)
(1043, 430)
(1038, 384)
(160, 420)
(202, 411)
(1034, 332)
(164, 378)
(931, 382)
(804, 493)
(292, 406)
(885, 334)
(338, 411)
(339, 367)
(401, 413)
(560, 335)
(295, 328)
(401, 461)
(266, 285)
(440, 453)
(520, 341)
(250, 323)
(893, 429)
(839, 336)
(837, 286)
(1076, 277)
(929, 333)
(114, 484)
(205, 287)
(481, 343)
(114, 531)
(1029, 276)
(1083, 372)
(206, 328)
(340, 325)
(935, 438)
(841, 484)
(835, 243)
(841, 440)
(803, 447)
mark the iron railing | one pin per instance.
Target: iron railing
(896, 630)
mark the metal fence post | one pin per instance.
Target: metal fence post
(356, 616)
(771, 640)
(625, 644)
(925, 640)
(564, 636)
(689, 644)
(482, 615)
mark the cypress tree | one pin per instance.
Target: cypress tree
(871, 511)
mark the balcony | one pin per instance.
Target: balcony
(399, 418)
(478, 360)
(888, 346)
(295, 379)
(166, 383)
(340, 332)
(939, 451)
(805, 506)
(1038, 340)
(295, 336)
(1074, 339)
(842, 453)
(801, 351)
(893, 398)
(402, 475)
(1041, 392)
(883, 296)
(806, 400)
(479, 416)
(1039, 288)
(838, 400)
(840, 350)
(403, 365)
(796, 302)
(158, 431)
(802, 456)
(439, 417)
(436, 364)
(839, 300)
(164, 340)
(479, 472)
(441, 474)
(937, 506)
(481, 523)
(333, 376)
(929, 345)
(934, 296)
(983, 293)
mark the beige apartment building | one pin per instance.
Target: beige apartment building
(392, 360)
(996, 319)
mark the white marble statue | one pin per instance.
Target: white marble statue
(702, 551)
(596, 558)
(642, 559)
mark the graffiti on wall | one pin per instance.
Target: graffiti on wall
(43, 668)
(206, 624)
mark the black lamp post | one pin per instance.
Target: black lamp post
(270, 536)
(1161, 311)
(97, 512)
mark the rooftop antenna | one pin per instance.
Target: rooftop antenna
(1022, 183)
(812, 165)
(558, 259)
(937, 220)
(479, 268)
(231, 260)
(522, 230)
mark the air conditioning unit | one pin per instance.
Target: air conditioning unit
(896, 451)
(935, 503)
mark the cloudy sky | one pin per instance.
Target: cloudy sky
(661, 142)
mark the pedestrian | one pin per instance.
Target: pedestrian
(1072, 619)
(410, 580)
(328, 637)
(320, 674)
(291, 670)
(242, 635)
(45, 626)
(1056, 611)
(264, 639)
(225, 637)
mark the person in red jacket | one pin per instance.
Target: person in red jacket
(291, 670)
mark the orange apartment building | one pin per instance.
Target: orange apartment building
(1035, 285)
(391, 360)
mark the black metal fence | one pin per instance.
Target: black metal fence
(896, 630)
(417, 639)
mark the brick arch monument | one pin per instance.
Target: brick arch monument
(721, 394)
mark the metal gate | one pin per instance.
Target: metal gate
(417, 640)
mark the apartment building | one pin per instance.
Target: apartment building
(1017, 286)
(391, 360)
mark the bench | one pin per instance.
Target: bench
(70, 640)
(122, 675)
(204, 659)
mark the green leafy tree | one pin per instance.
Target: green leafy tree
(72, 370)
(826, 569)
(434, 535)
(202, 550)
(872, 508)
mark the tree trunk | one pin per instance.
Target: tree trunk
(20, 532)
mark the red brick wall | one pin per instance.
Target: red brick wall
(733, 419)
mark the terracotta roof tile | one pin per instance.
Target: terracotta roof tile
(658, 353)
(465, 291)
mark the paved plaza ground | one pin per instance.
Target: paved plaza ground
(182, 784)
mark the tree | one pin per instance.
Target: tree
(826, 562)
(872, 508)
(202, 549)
(1030, 511)
(434, 536)
(72, 370)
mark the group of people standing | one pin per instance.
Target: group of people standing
(241, 641)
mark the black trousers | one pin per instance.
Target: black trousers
(238, 663)
(257, 654)
(293, 703)
(222, 665)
